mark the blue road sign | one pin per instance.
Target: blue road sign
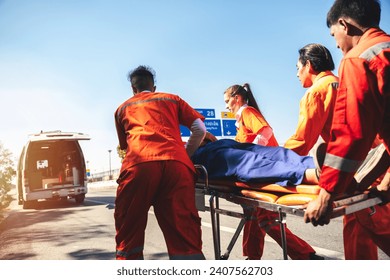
(184, 131)
(214, 126)
(229, 127)
(207, 113)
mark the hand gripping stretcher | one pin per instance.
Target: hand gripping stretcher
(272, 197)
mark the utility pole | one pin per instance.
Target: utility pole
(109, 160)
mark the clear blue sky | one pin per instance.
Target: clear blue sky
(63, 64)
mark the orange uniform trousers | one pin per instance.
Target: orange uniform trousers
(366, 230)
(254, 234)
(168, 186)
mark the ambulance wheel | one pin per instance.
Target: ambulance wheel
(80, 198)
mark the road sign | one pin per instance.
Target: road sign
(184, 131)
(214, 127)
(229, 127)
(207, 113)
(228, 115)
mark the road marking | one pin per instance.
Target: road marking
(100, 202)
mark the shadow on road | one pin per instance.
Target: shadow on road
(59, 225)
(92, 254)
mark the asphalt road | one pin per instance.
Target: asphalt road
(67, 231)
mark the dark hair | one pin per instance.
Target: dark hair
(366, 13)
(318, 55)
(246, 93)
(142, 78)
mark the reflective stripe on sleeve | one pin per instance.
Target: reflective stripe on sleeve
(342, 164)
(372, 52)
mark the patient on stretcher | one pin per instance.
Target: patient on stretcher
(246, 162)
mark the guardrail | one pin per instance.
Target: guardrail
(104, 176)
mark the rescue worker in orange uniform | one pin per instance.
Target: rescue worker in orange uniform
(156, 170)
(314, 68)
(362, 110)
(253, 128)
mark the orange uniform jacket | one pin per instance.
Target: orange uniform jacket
(315, 114)
(153, 134)
(362, 109)
(250, 125)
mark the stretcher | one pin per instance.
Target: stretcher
(281, 200)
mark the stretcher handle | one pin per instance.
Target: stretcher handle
(203, 171)
(349, 200)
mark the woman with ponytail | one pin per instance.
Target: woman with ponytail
(251, 125)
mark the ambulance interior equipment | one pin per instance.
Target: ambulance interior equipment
(51, 166)
(272, 197)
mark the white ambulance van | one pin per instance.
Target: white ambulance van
(51, 166)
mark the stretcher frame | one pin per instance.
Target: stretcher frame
(216, 191)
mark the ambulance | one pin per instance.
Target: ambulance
(51, 166)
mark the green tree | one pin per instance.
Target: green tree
(121, 153)
(6, 174)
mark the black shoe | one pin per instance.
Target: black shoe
(375, 164)
(319, 155)
(318, 173)
(319, 158)
(314, 256)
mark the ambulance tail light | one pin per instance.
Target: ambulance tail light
(26, 183)
(25, 180)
